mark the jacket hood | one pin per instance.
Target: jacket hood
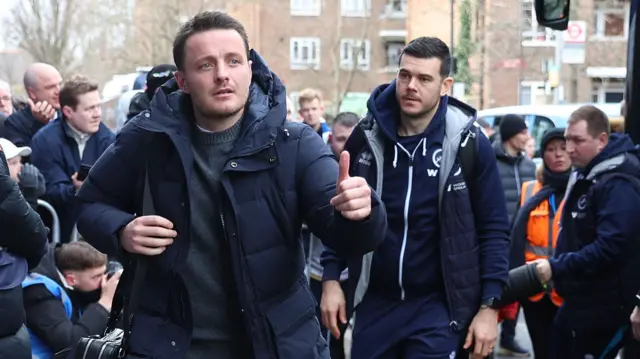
(384, 108)
(619, 144)
(47, 266)
(266, 104)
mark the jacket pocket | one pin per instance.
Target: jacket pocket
(295, 328)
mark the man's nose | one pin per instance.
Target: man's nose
(222, 73)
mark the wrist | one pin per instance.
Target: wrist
(106, 303)
(328, 284)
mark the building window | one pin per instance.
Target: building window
(611, 19)
(305, 53)
(395, 9)
(355, 8)
(355, 52)
(607, 91)
(531, 93)
(305, 7)
(532, 33)
(394, 49)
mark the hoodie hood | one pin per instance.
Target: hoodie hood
(618, 145)
(172, 109)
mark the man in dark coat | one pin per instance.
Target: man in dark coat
(597, 260)
(515, 168)
(231, 181)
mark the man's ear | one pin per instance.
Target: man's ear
(66, 110)
(182, 81)
(446, 86)
(70, 277)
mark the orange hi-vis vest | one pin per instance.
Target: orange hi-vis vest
(542, 232)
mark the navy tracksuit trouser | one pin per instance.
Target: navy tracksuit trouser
(416, 328)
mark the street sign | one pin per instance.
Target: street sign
(574, 39)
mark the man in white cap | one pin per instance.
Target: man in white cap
(28, 177)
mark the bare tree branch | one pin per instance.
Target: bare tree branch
(62, 32)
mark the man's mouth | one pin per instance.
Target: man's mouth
(223, 92)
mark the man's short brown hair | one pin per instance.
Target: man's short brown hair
(308, 95)
(79, 256)
(73, 88)
(597, 121)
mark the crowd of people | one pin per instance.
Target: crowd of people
(273, 233)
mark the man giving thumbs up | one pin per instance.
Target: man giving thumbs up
(353, 194)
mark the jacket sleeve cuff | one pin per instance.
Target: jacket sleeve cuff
(331, 271)
(557, 267)
(491, 289)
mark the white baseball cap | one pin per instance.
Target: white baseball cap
(10, 150)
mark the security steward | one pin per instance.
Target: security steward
(536, 229)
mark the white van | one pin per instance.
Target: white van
(539, 118)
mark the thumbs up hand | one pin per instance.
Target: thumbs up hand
(353, 194)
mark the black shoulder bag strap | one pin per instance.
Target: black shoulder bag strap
(128, 304)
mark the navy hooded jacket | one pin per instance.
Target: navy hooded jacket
(278, 175)
(439, 237)
(597, 257)
(55, 153)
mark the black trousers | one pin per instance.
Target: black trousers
(539, 316)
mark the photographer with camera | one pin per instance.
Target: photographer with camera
(597, 261)
(68, 296)
(22, 244)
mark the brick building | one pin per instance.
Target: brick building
(338, 46)
(516, 54)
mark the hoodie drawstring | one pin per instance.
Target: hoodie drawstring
(395, 156)
(423, 143)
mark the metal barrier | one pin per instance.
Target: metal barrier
(55, 230)
(75, 235)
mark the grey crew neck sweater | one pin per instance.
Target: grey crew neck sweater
(217, 323)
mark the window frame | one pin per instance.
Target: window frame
(363, 63)
(299, 64)
(601, 10)
(312, 7)
(355, 8)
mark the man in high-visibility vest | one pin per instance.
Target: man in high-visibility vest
(597, 261)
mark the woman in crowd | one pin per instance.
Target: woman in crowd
(535, 232)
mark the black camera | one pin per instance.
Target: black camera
(95, 347)
(523, 283)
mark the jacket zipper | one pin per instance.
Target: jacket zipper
(407, 201)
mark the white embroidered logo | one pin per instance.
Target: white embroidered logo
(366, 158)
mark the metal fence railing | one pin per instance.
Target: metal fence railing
(55, 227)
